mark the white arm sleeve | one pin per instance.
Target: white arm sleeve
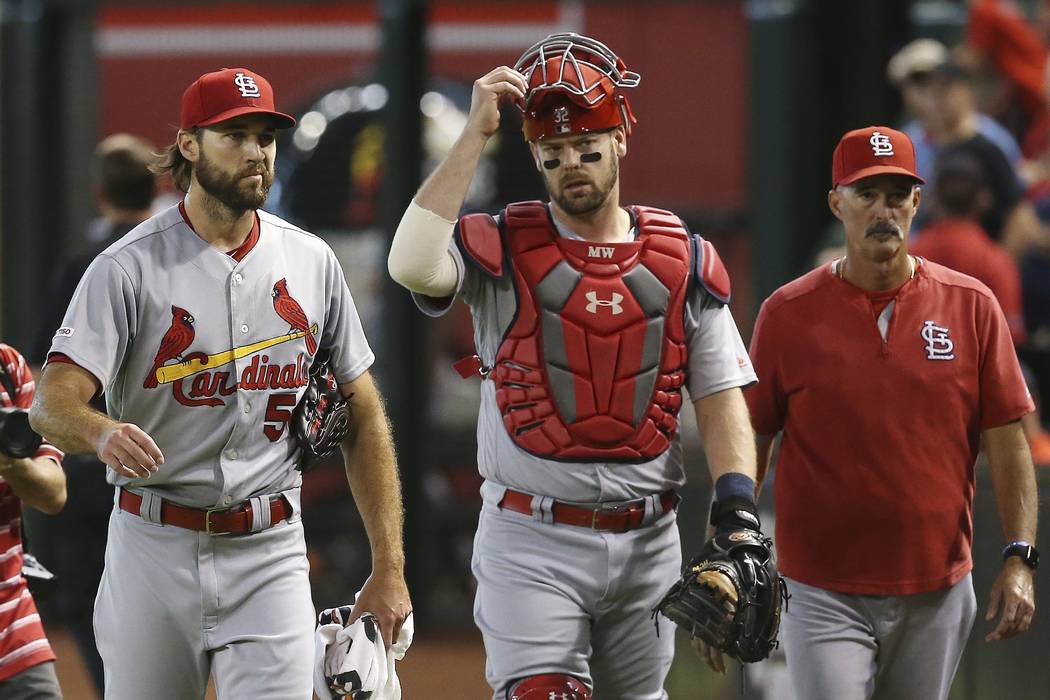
(419, 254)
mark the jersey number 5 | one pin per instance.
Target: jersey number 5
(279, 411)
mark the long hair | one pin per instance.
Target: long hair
(171, 160)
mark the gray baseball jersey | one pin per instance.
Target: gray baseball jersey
(220, 419)
(209, 355)
(579, 601)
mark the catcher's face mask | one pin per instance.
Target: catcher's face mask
(574, 87)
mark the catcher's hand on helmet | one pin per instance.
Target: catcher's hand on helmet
(730, 596)
(322, 419)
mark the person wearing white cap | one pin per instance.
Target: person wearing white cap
(911, 71)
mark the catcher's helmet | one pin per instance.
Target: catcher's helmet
(574, 86)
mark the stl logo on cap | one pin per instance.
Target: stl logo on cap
(881, 144)
(246, 84)
(874, 150)
(227, 93)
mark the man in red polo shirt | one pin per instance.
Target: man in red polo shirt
(885, 373)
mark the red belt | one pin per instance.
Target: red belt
(619, 518)
(231, 521)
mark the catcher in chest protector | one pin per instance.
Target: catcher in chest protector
(593, 323)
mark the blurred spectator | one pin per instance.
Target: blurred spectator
(125, 192)
(957, 240)
(1001, 40)
(125, 189)
(952, 121)
(1035, 290)
(911, 70)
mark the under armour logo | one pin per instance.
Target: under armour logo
(553, 695)
(595, 302)
(246, 84)
(599, 251)
(938, 345)
(881, 144)
(561, 120)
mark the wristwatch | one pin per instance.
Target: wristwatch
(1028, 554)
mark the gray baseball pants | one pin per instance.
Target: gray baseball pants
(858, 647)
(175, 605)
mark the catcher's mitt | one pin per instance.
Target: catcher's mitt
(730, 596)
(322, 419)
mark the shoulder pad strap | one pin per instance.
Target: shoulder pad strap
(710, 271)
(648, 218)
(531, 213)
(479, 239)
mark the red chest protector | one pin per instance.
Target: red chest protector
(591, 367)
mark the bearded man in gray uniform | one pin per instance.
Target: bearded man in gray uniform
(589, 319)
(201, 326)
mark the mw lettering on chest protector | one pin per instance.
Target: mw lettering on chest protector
(209, 376)
(593, 364)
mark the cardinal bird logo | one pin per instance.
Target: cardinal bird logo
(289, 309)
(177, 338)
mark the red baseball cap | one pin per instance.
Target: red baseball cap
(228, 93)
(875, 150)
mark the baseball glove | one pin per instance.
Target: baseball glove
(322, 419)
(730, 596)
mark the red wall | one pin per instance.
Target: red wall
(687, 152)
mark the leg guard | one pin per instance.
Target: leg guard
(551, 686)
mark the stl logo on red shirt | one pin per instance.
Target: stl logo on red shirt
(938, 345)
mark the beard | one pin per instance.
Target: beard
(590, 201)
(233, 191)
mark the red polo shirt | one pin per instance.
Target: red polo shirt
(875, 473)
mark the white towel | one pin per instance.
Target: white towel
(350, 661)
